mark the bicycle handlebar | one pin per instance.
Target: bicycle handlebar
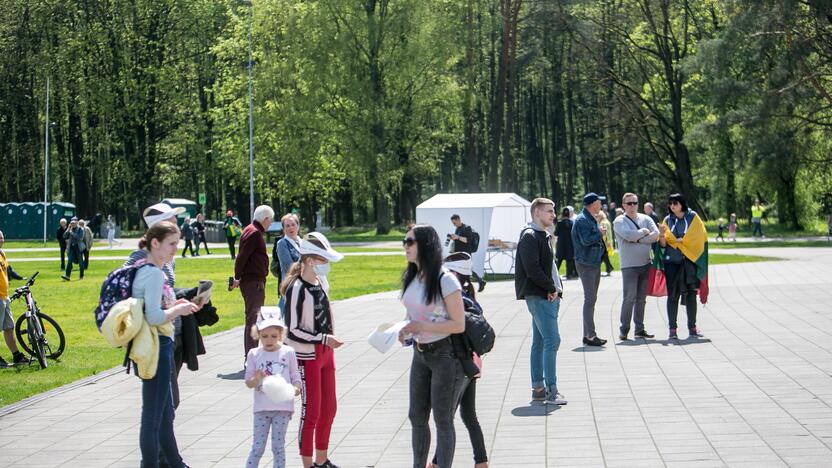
(19, 291)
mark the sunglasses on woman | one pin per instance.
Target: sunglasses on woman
(408, 241)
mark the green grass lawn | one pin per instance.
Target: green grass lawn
(771, 228)
(363, 235)
(71, 304)
(105, 252)
(762, 244)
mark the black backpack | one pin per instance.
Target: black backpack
(474, 241)
(478, 334)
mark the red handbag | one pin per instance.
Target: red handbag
(656, 283)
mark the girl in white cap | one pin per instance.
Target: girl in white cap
(270, 358)
(311, 332)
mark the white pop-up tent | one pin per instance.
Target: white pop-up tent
(495, 216)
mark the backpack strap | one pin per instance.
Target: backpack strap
(127, 361)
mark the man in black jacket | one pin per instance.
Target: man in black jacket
(62, 242)
(463, 238)
(536, 282)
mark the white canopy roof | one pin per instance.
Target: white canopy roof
(474, 200)
(498, 217)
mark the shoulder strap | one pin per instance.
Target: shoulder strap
(631, 220)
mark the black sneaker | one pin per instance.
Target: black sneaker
(19, 358)
(3, 363)
(695, 333)
(326, 464)
(538, 394)
(644, 334)
(65, 278)
(623, 337)
(673, 335)
(482, 286)
(594, 341)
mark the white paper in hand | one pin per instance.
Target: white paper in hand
(386, 335)
(278, 389)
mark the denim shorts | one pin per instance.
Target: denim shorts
(6, 318)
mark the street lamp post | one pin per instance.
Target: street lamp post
(46, 165)
(250, 118)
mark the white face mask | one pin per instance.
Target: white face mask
(322, 270)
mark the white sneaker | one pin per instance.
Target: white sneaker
(555, 398)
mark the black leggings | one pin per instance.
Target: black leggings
(606, 260)
(680, 285)
(232, 242)
(468, 413)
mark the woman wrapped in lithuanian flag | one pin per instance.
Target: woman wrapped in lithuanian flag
(685, 262)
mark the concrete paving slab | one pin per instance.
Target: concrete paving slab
(756, 391)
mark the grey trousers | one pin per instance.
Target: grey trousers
(590, 279)
(635, 297)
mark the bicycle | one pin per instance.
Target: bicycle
(37, 328)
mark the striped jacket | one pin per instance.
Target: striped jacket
(308, 318)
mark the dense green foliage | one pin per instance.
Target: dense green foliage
(364, 108)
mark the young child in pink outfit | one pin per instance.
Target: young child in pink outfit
(272, 357)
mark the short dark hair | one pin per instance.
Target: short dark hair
(679, 198)
(455, 217)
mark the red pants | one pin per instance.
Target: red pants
(318, 397)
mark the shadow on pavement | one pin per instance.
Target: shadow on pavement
(239, 375)
(587, 349)
(685, 342)
(534, 409)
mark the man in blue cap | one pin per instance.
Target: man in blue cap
(587, 239)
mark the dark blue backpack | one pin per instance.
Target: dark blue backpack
(117, 287)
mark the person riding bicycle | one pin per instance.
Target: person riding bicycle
(6, 318)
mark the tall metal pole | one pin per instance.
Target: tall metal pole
(46, 165)
(250, 120)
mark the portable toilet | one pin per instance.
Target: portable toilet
(11, 224)
(4, 218)
(29, 222)
(190, 208)
(58, 210)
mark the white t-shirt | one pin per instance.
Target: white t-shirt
(282, 362)
(414, 301)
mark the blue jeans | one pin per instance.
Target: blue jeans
(545, 341)
(157, 412)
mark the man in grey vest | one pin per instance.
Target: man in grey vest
(636, 234)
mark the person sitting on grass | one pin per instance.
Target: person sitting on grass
(6, 318)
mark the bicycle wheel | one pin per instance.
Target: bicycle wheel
(53, 337)
(36, 340)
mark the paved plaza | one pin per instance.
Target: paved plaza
(755, 392)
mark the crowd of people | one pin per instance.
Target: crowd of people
(299, 343)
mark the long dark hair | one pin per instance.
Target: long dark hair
(429, 252)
